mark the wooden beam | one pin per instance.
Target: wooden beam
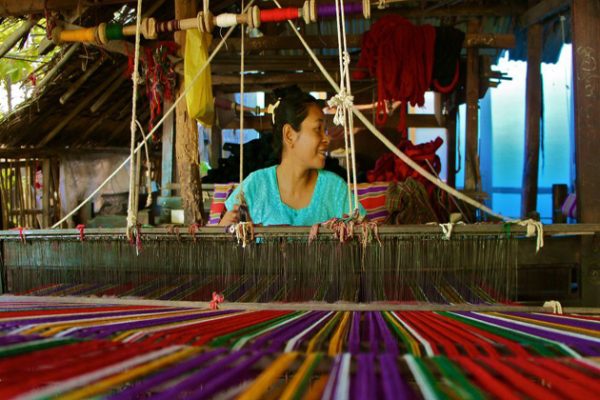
(533, 112)
(472, 39)
(186, 141)
(586, 80)
(168, 151)
(18, 7)
(265, 79)
(471, 183)
(261, 123)
(54, 152)
(543, 10)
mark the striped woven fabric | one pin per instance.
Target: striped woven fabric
(371, 196)
(117, 351)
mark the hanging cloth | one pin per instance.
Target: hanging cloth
(199, 99)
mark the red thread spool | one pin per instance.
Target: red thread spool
(279, 14)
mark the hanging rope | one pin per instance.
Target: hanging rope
(188, 87)
(132, 208)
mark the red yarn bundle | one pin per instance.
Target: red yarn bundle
(400, 55)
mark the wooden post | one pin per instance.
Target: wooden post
(216, 145)
(168, 139)
(46, 193)
(471, 159)
(586, 82)
(451, 133)
(533, 110)
(186, 142)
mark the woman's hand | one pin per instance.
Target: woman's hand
(231, 217)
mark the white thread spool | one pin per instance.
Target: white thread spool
(226, 20)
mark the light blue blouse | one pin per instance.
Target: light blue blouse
(261, 191)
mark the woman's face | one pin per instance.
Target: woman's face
(309, 145)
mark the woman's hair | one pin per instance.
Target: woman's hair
(292, 109)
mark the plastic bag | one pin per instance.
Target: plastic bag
(199, 98)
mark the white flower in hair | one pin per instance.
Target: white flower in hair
(271, 110)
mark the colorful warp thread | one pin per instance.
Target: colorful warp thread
(73, 351)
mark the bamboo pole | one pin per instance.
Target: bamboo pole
(75, 86)
(107, 93)
(100, 89)
(14, 37)
(50, 74)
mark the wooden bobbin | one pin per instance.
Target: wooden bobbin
(101, 34)
(209, 21)
(366, 9)
(253, 17)
(308, 12)
(148, 28)
(56, 34)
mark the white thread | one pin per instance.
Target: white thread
(554, 305)
(340, 101)
(226, 20)
(159, 124)
(534, 228)
(271, 110)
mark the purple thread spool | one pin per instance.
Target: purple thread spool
(328, 10)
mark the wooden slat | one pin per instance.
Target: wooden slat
(472, 128)
(543, 10)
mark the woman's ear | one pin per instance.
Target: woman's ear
(289, 136)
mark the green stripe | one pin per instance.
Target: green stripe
(457, 380)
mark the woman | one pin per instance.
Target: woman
(297, 191)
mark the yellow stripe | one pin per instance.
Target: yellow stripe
(129, 375)
(312, 344)
(269, 376)
(414, 345)
(335, 344)
(291, 390)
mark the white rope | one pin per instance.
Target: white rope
(242, 108)
(188, 87)
(534, 228)
(132, 208)
(554, 305)
(148, 171)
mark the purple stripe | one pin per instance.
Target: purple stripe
(583, 346)
(364, 385)
(579, 323)
(354, 337)
(199, 377)
(102, 332)
(394, 387)
(282, 334)
(379, 214)
(173, 372)
(75, 317)
(372, 189)
(391, 345)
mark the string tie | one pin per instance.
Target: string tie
(342, 101)
(216, 299)
(193, 229)
(554, 305)
(81, 228)
(21, 234)
(534, 228)
(271, 109)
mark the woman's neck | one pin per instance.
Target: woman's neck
(296, 184)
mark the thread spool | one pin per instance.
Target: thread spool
(101, 36)
(226, 20)
(328, 10)
(279, 14)
(77, 35)
(252, 17)
(148, 28)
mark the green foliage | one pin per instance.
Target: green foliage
(23, 58)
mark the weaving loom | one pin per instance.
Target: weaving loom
(419, 317)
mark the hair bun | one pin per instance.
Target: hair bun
(292, 91)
